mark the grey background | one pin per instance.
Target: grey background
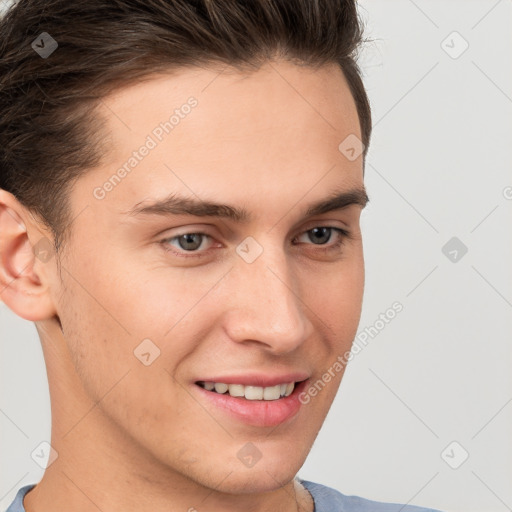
(438, 168)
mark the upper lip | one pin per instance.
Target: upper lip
(261, 380)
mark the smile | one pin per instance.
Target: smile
(273, 402)
(250, 392)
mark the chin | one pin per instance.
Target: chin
(229, 475)
(272, 471)
(257, 480)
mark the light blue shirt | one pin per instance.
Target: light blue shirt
(326, 500)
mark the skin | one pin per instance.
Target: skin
(134, 437)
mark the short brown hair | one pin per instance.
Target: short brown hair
(48, 133)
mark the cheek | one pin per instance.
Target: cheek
(99, 349)
(113, 314)
(152, 300)
(96, 312)
(337, 298)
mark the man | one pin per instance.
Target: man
(181, 187)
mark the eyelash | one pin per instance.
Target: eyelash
(342, 233)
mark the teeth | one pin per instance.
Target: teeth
(289, 389)
(220, 387)
(236, 390)
(251, 392)
(272, 393)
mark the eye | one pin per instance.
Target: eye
(321, 235)
(187, 242)
(188, 245)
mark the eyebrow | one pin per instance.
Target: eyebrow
(179, 205)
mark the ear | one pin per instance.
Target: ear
(26, 257)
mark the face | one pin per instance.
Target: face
(159, 302)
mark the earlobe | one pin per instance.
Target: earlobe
(23, 276)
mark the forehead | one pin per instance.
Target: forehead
(221, 132)
(322, 91)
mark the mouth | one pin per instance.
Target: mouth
(249, 392)
(261, 406)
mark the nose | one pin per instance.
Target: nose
(266, 304)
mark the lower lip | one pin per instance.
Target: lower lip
(259, 413)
